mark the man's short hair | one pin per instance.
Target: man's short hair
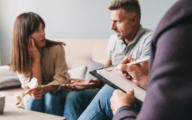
(127, 5)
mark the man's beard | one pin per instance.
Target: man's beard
(121, 37)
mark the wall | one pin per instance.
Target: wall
(81, 19)
(0, 38)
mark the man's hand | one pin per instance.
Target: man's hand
(36, 92)
(134, 72)
(78, 84)
(120, 99)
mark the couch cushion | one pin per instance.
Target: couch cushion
(8, 79)
(79, 51)
(92, 66)
(78, 73)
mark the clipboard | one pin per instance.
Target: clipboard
(139, 92)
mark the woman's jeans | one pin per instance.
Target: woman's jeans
(67, 104)
(51, 103)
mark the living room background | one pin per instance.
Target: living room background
(71, 19)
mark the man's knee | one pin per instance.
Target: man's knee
(103, 97)
(75, 96)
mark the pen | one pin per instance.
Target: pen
(145, 59)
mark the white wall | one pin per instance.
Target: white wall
(0, 38)
(153, 10)
(81, 19)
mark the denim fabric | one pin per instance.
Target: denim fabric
(99, 108)
(76, 103)
(51, 103)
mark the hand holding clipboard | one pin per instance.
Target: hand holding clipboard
(117, 80)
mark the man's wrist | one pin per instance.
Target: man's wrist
(100, 83)
(121, 104)
(144, 83)
(122, 109)
(97, 82)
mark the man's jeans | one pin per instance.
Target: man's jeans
(99, 108)
(51, 103)
(76, 103)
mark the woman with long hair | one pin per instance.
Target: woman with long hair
(33, 56)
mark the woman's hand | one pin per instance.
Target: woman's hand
(78, 84)
(120, 99)
(36, 92)
(33, 51)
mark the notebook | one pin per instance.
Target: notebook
(116, 80)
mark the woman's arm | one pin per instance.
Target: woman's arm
(36, 65)
(49, 88)
(36, 71)
(61, 75)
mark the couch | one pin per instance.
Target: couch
(78, 52)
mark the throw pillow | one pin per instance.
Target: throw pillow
(78, 73)
(92, 66)
(7, 78)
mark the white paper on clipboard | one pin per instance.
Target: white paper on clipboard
(116, 77)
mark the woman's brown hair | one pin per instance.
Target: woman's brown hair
(24, 25)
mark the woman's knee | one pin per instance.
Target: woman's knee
(55, 98)
(34, 104)
(51, 98)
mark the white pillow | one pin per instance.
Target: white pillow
(8, 78)
(78, 73)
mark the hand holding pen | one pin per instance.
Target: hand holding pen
(131, 61)
(133, 71)
(145, 59)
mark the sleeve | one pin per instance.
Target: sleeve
(169, 88)
(125, 113)
(24, 79)
(110, 47)
(61, 74)
(146, 46)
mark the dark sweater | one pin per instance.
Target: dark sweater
(169, 91)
